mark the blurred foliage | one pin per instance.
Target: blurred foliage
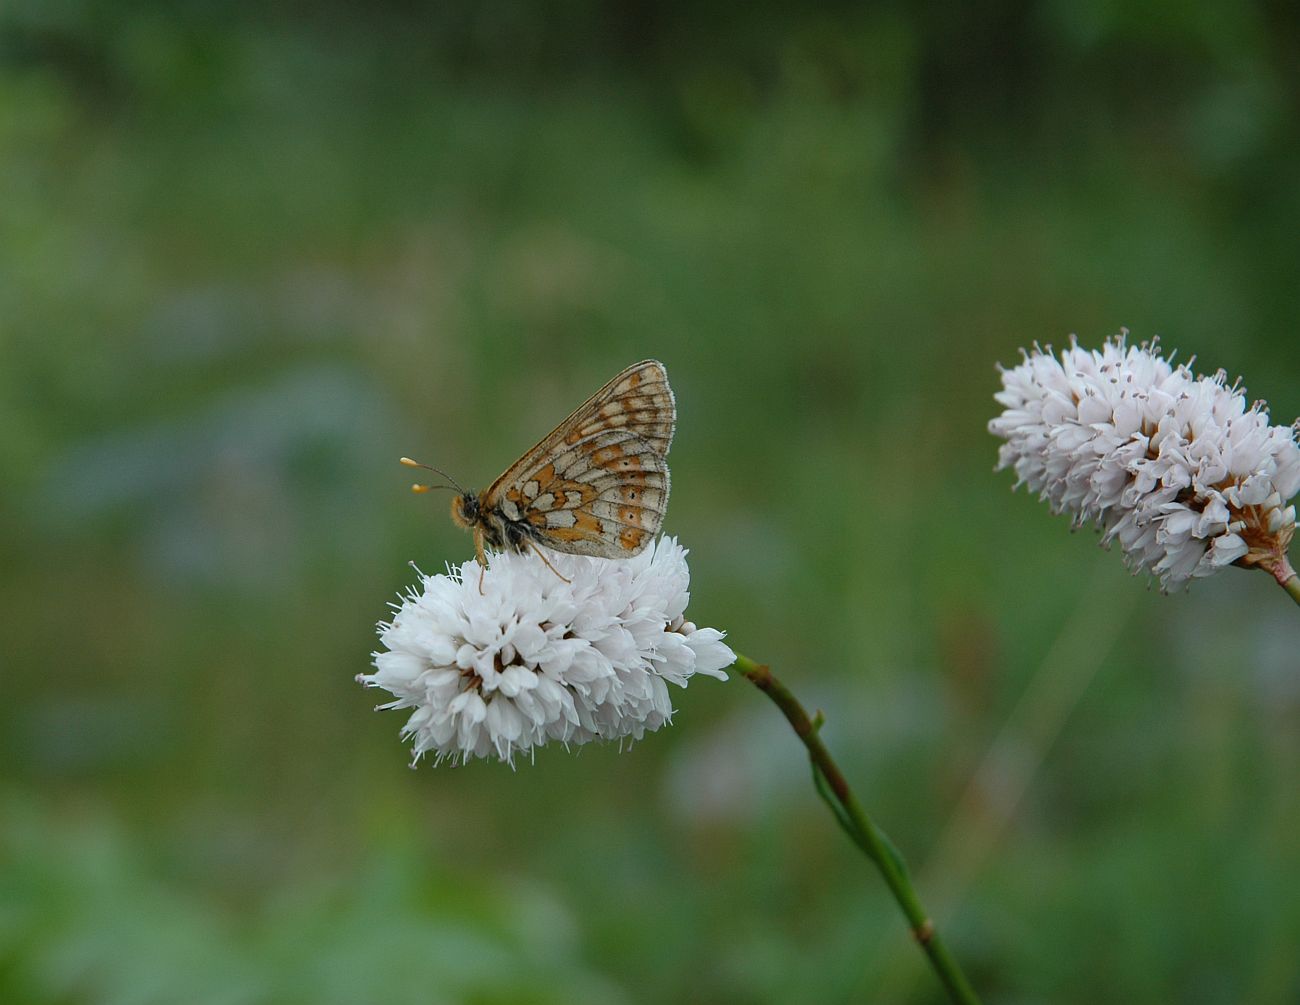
(249, 256)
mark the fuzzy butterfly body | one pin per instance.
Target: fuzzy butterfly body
(596, 485)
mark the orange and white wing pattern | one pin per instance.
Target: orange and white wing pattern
(598, 483)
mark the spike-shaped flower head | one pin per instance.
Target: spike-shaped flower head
(534, 657)
(1177, 468)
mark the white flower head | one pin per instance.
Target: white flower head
(534, 658)
(1177, 468)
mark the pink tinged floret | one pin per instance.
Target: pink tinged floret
(1180, 469)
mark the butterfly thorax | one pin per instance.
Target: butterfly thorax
(475, 513)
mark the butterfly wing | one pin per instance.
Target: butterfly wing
(598, 483)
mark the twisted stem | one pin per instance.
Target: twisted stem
(1279, 567)
(849, 813)
(1292, 586)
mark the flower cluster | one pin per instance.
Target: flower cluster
(1175, 467)
(534, 657)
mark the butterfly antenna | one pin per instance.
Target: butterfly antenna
(438, 471)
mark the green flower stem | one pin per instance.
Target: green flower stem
(865, 834)
(1292, 586)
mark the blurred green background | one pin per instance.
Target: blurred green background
(248, 258)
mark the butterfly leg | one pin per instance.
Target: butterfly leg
(482, 558)
(532, 544)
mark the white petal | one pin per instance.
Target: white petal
(536, 657)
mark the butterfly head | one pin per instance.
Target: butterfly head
(466, 510)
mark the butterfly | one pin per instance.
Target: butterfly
(597, 484)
